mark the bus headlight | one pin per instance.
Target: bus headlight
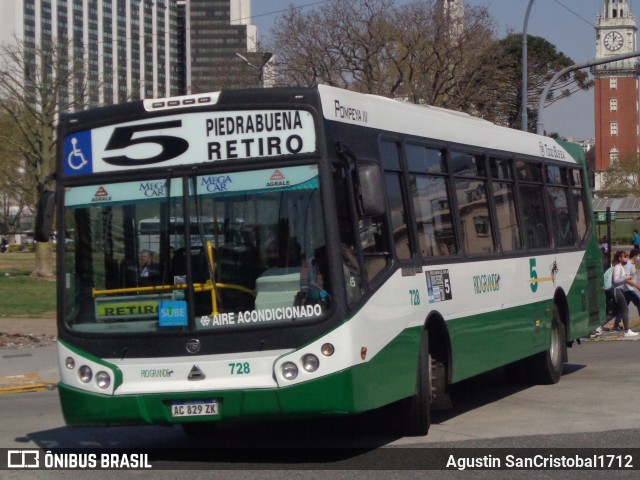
(103, 380)
(289, 370)
(70, 363)
(85, 374)
(327, 349)
(310, 362)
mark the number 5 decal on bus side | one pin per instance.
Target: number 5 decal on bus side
(533, 283)
(170, 146)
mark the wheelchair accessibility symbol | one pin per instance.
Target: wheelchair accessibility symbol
(76, 159)
(77, 154)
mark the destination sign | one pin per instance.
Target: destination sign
(190, 138)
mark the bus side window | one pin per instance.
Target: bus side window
(578, 204)
(433, 216)
(429, 195)
(534, 218)
(390, 157)
(561, 223)
(372, 222)
(504, 199)
(350, 265)
(374, 245)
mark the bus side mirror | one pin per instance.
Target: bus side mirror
(370, 189)
(44, 216)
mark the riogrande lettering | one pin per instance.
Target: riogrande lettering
(156, 373)
(486, 283)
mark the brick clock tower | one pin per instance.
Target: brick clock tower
(616, 87)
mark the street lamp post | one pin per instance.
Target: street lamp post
(578, 66)
(266, 58)
(525, 118)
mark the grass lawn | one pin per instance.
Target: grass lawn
(20, 294)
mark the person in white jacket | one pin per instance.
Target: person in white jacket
(620, 280)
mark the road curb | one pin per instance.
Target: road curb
(24, 383)
(601, 338)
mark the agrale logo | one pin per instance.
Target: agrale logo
(101, 195)
(278, 180)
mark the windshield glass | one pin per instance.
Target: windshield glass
(242, 249)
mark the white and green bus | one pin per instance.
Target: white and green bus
(340, 252)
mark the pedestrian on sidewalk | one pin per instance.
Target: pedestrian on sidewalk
(631, 288)
(619, 281)
(604, 248)
(635, 239)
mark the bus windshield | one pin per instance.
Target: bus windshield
(239, 250)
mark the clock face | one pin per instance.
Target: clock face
(613, 41)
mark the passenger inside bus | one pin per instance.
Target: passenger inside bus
(146, 273)
(148, 268)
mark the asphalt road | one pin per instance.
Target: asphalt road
(595, 406)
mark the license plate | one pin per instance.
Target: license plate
(194, 409)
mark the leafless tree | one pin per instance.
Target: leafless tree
(16, 186)
(442, 62)
(344, 44)
(37, 84)
(414, 52)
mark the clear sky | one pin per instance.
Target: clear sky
(568, 24)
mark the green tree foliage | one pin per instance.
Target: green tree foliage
(504, 101)
(622, 178)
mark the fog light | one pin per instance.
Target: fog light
(103, 380)
(70, 363)
(327, 349)
(85, 374)
(289, 370)
(310, 362)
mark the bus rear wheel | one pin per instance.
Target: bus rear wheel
(417, 409)
(546, 367)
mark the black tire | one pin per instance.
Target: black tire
(545, 368)
(416, 410)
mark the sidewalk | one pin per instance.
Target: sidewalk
(28, 369)
(28, 359)
(36, 326)
(634, 324)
